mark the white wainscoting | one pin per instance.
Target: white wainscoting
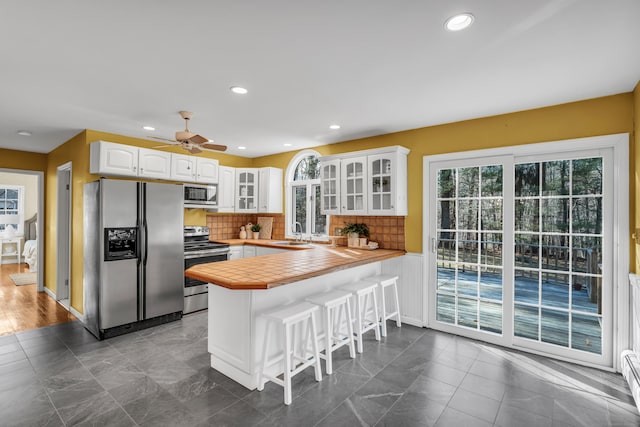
(630, 359)
(410, 286)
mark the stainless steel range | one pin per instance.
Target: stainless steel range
(199, 250)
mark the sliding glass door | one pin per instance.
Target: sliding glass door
(521, 251)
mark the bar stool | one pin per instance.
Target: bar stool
(330, 302)
(287, 318)
(366, 304)
(384, 281)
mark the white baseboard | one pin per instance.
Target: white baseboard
(76, 313)
(50, 292)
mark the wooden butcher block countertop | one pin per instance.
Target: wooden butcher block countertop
(269, 271)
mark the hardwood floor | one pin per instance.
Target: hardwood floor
(23, 307)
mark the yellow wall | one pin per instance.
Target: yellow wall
(23, 160)
(75, 151)
(600, 116)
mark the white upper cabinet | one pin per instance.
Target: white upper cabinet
(369, 182)
(270, 190)
(353, 173)
(108, 158)
(207, 170)
(183, 167)
(226, 189)
(330, 187)
(154, 164)
(387, 183)
(246, 190)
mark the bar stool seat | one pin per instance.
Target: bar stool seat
(330, 302)
(384, 281)
(288, 318)
(366, 309)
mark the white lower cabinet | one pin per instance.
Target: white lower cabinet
(249, 251)
(265, 250)
(236, 252)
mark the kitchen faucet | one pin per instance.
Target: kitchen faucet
(296, 232)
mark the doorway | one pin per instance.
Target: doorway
(63, 250)
(522, 247)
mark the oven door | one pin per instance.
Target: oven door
(204, 259)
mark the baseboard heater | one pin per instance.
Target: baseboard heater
(630, 359)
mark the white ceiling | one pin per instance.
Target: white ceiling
(372, 66)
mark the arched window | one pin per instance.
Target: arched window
(303, 216)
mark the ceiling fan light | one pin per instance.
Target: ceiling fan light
(183, 135)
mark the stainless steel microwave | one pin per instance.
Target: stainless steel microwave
(201, 194)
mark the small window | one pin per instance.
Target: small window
(303, 215)
(11, 207)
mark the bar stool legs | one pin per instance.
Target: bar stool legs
(330, 302)
(384, 281)
(288, 318)
(366, 304)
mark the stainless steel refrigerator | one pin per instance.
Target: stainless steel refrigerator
(133, 255)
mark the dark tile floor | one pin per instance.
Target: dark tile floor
(60, 375)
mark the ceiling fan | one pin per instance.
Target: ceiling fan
(192, 142)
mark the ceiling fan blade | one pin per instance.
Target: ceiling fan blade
(194, 150)
(214, 147)
(163, 146)
(198, 139)
(164, 139)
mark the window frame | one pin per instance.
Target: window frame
(290, 203)
(19, 225)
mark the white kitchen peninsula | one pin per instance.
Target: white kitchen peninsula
(241, 289)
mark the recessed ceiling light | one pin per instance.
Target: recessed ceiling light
(239, 90)
(459, 22)
(148, 128)
(334, 127)
(24, 133)
(242, 148)
(287, 145)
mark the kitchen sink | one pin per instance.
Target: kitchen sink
(291, 243)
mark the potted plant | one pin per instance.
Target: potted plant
(256, 230)
(353, 231)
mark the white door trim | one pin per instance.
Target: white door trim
(39, 221)
(63, 245)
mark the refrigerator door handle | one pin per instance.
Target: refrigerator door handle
(146, 243)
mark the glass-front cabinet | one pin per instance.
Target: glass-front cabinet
(387, 183)
(368, 182)
(330, 187)
(246, 190)
(354, 175)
